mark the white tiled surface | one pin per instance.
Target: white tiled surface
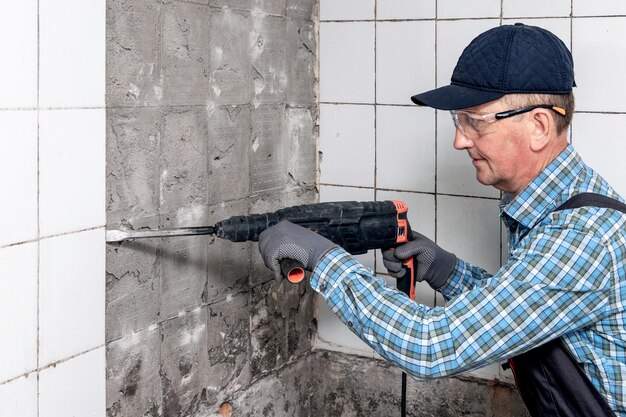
(72, 170)
(347, 62)
(403, 66)
(608, 131)
(18, 309)
(405, 9)
(347, 9)
(18, 182)
(461, 8)
(405, 148)
(75, 387)
(536, 8)
(71, 48)
(345, 130)
(600, 77)
(18, 72)
(598, 7)
(71, 295)
(52, 181)
(18, 398)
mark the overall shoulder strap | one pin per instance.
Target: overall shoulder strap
(592, 200)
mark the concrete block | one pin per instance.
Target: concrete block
(269, 64)
(301, 65)
(185, 53)
(301, 147)
(228, 347)
(267, 156)
(232, 4)
(228, 263)
(301, 9)
(133, 65)
(301, 322)
(132, 287)
(228, 149)
(184, 361)
(132, 171)
(230, 45)
(133, 385)
(268, 337)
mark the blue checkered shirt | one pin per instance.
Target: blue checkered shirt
(565, 277)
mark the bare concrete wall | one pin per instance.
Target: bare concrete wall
(210, 113)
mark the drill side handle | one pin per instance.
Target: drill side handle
(291, 269)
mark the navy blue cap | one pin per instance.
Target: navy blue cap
(508, 59)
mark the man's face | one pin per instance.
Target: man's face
(499, 149)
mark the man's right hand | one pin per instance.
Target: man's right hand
(433, 264)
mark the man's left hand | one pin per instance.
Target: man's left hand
(286, 240)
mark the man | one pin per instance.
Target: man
(564, 283)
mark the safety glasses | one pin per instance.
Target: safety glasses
(473, 125)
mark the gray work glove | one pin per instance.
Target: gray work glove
(433, 264)
(286, 240)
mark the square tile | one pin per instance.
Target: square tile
(72, 170)
(455, 172)
(71, 295)
(332, 334)
(346, 9)
(470, 228)
(72, 53)
(405, 148)
(447, 9)
(347, 145)
(18, 73)
(595, 42)
(75, 387)
(347, 62)
(18, 309)
(405, 9)
(536, 8)
(452, 38)
(18, 179)
(598, 8)
(19, 397)
(601, 141)
(405, 60)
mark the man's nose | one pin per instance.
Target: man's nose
(461, 141)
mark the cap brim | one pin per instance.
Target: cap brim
(454, 97)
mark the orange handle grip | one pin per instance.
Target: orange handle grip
(293, 270)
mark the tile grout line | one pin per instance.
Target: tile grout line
(38, 203)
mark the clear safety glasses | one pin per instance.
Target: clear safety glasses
(473, 125)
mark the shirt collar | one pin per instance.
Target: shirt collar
(546, 192)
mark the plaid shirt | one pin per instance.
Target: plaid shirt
(565, 277)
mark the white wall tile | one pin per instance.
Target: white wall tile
(71, 303)
(72, 170)
(405, 60)
(405, 9)
(421, 212)
(601, 141)
(405, 148)
(455, 172)
(347, 145)
(452, 38)
(18, 398)
(598, 7)
(18, 176)
(346, 9)
(72, 53)
(18, 72)
(596, 42)
(347, 62)
(535, 8)
(470, 228)
(18, 309)
(332, 334)
(75, 387)
(461, 8)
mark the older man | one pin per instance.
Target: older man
(556, 307)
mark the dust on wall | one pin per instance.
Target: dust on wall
(210, 113)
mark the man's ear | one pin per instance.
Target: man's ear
(542, 128)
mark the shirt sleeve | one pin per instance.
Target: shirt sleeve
(560, 282)
(464, 277)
